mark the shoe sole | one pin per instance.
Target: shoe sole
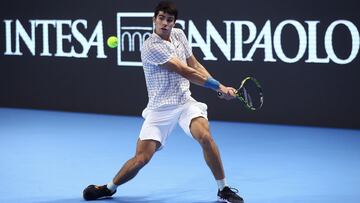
(224, 200)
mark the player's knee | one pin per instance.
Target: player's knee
(142, 160)
(205, 138)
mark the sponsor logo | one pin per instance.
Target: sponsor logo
(231, 40)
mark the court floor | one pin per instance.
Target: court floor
(48, 156)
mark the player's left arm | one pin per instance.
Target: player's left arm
(194, 63)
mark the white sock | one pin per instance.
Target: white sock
(111, 186)
(221, 184)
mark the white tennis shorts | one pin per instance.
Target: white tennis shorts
(160, 122)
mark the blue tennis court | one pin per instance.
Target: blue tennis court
(49, 156)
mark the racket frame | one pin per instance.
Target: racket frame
(243, 100)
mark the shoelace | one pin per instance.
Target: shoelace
(232, 190)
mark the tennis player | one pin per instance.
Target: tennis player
(169, 67)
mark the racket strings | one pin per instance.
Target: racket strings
(247, 97)
(251, 94)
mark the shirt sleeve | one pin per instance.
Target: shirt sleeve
(184, 41)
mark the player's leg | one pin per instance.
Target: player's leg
(193, 121)
(199, 128)
(153, 134)
(145, 149)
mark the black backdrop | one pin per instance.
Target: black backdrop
(299, 92)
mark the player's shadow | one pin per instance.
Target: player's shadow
(122, 199)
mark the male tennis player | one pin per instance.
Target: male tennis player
(169, 67)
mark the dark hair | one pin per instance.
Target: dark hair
(166, 7)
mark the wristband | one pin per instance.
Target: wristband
(212, 83)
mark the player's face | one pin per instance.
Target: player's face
(164, 22)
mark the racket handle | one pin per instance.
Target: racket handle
(220, 95)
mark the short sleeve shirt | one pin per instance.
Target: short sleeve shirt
(165, 87)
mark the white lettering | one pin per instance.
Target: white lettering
(45, 28)
(212, 33)
(329, 42)
(97, 40)
(8, 49)
(21, 33)
(80, 37)
(194, 34)
(238, 25)
(244, 34)
(302, 41)
(61, 37)
(267, 45)
(312, 48)
(60, 26)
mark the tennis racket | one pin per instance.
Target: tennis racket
(250, 93)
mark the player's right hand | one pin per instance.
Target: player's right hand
(227, 93)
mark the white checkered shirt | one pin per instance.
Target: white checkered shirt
(165, 87)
